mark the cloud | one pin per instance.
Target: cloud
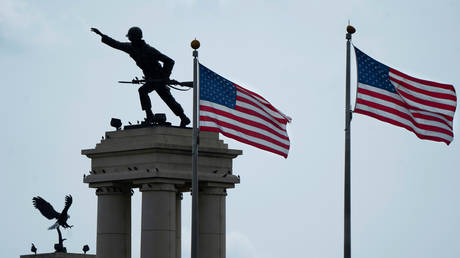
(24, 24)
(12, 14)
(239, 246)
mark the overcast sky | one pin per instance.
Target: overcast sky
(59, 91)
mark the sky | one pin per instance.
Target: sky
(59, 92)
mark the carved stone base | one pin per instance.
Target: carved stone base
(59, 248)
(58, 255)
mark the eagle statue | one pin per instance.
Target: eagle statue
(48, 211)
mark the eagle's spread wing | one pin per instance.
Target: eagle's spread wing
(45, 208)
(68, 202)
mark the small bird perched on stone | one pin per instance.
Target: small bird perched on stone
(33, 249)
(85, 248)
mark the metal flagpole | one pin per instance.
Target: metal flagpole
(347, 190)
(194, 248)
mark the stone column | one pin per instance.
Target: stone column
(113, 222)
(211, 205)
(158, 229)
(178, 224)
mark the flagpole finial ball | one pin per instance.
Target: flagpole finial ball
(351, 29)
(195, 44)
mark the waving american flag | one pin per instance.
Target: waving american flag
(423, 107)
(241, 114)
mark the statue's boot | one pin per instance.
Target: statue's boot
(184, 120)
(149, 118)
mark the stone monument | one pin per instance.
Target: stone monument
(158, 161)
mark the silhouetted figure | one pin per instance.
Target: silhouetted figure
(148, 59)
(61, 218)
(33, 249)
(48, 211)
(85, 248)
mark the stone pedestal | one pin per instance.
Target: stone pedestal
(58, 255)
(158, 160)
(113, 222)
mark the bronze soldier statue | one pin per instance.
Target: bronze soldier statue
(156, 75)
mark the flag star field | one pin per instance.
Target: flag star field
(373, 73)
(215, 88)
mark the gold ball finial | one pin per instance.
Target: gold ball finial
(195, 44)
(351, 29)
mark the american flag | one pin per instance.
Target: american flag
(423, 107)
(241, 114)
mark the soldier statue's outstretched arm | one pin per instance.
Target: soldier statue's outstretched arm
(111, 42)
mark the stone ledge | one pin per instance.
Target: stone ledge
(153, 137)
(127, 176)
(58, 255)
(160, 148)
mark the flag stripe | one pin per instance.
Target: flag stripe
(373, 114)
(246, 106)
(242, 123)
(424, 82)
(262, 100)
(431, 116)
(428, 103)
(242, 116)
(381, 94)
(425, 87)
(220, 121)
(424, 125)
(246, 109)
(242, 135)
(228, 133)
(268, 109)
(392, 100)
(396, 99)
(431, 95)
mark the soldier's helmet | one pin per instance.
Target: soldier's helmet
(134, 33)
